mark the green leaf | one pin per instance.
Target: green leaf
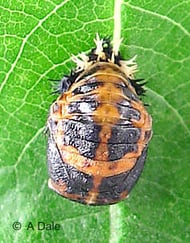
(36, 43)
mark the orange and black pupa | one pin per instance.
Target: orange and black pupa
(99, 129)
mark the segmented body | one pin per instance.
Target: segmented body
(98, 135)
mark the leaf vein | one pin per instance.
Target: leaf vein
(170, 20)
(171, 108)
(25, 41)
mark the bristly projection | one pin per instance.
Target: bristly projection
(103, 52)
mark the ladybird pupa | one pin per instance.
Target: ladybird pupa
(99, 129)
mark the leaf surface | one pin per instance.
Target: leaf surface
(37, 40)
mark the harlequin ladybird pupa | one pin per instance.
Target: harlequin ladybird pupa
(98, 128)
